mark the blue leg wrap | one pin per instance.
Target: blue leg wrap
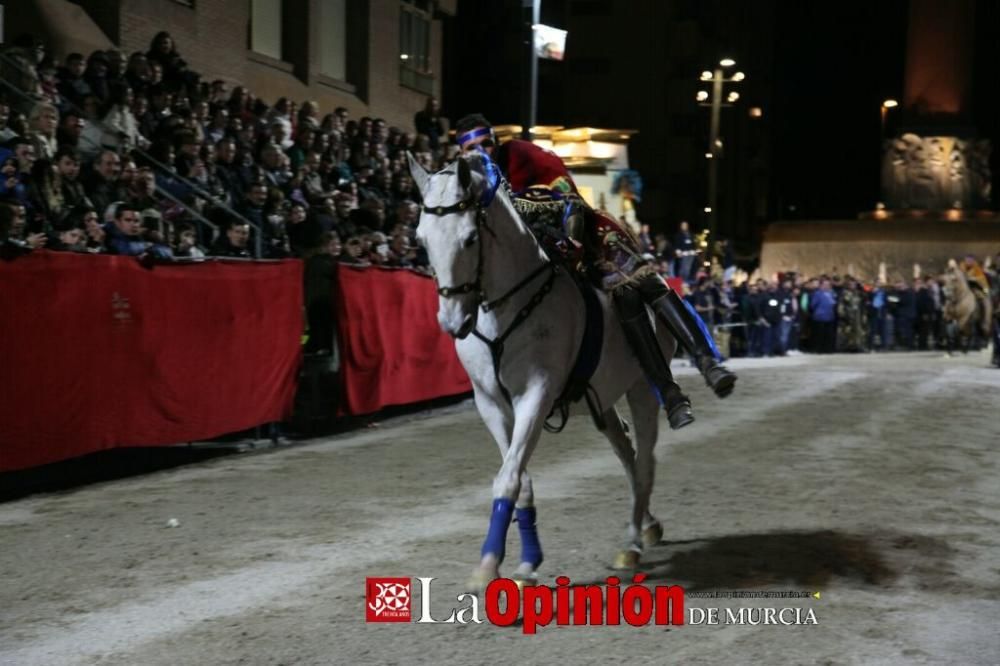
(531, 547)
(496, 537)
(704, 329)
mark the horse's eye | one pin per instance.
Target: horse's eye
(470, 241)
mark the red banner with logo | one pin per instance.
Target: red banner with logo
(98, 352)
(392, 350)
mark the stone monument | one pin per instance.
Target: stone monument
(935, 174)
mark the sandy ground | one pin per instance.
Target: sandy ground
(873, 479)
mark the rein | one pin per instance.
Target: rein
(496, 345)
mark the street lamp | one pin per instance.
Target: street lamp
(884, 109)
(718, 78)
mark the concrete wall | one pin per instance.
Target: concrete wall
(859, 247)
(66, 27)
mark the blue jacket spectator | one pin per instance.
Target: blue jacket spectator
(124, 236)
(823, 304)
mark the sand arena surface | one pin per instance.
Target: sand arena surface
(874, 479)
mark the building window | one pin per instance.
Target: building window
(415, 45)
(333, 40)
(265, 27)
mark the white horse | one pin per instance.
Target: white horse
(495, 281)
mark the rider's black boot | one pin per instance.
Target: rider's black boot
(642, 339)
(692, 337)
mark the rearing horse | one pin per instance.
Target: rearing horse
(518, 321)
(964, 308)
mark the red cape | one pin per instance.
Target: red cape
(528, 166)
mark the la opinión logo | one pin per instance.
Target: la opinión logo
(504, 602)
(387, 599)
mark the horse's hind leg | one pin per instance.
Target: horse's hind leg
(645, 414)
(616, 433)
(621, 443)
(644, 529)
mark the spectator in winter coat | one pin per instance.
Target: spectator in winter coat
(823, 314)
(124, 235)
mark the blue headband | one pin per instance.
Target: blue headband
(472, 135)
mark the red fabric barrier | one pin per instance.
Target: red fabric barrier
(392, 350)
(99, 352)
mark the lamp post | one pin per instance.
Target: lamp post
(717, 78)
(882, 148)
(531, 12)
(886, 105)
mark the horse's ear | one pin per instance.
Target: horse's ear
(419, 173)
(464, 174)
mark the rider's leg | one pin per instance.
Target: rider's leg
(690, 331)
(642, 339)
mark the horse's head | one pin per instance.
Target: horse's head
(954, 280)
(451, 223)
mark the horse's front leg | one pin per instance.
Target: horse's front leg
(531, 545)
(498, 416)
(530, 409)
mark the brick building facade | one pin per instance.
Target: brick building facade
(284, 57)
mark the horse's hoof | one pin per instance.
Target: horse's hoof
(626, 560)
(477, 582)
(652, 535)
(525, 574)
(524, 579)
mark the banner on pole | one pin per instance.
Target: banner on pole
(550, 42)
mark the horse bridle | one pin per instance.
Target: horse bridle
(495, 345)
(460, 207)
(477, 284)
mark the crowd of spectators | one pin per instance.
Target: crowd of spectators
(136, 154)
(792, 313)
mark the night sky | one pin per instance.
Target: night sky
(820, 70)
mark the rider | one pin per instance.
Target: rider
(975, 273)
(544, 194)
